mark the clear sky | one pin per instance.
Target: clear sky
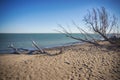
(43, 16)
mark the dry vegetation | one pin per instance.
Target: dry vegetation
(100, 22)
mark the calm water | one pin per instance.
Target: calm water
(43, 40)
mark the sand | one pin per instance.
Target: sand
(77, 62)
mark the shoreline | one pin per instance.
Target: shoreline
(76, 62)
(9, 51)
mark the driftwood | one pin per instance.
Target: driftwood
(37, 47)
(26, 51)
(16, 50)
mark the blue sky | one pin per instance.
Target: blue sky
(42, 16)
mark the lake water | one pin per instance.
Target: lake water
(43, 40)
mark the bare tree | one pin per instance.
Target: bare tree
(99, 22)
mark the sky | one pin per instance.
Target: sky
(43, 16)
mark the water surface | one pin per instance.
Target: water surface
(42, 39)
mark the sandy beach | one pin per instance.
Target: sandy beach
(77, 62)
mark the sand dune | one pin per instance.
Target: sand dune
(78, 62)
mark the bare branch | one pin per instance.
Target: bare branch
(36, 46)
(99, 22)
(16, 51)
